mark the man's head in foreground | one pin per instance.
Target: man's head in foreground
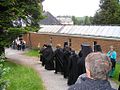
(97, 66)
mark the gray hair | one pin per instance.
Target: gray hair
(99, 65)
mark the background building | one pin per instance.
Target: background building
(65, 20)
(49, 19)
(76, 35)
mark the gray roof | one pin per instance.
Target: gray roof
(49, 20)
(94, 31)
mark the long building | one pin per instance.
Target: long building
(76, 35)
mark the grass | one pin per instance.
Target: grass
(116, 74)
(23, 78)
(32, 53)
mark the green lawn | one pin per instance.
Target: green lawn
(32, 53)
(117, 71)
(23, 78)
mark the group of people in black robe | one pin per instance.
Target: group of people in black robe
(65, 60)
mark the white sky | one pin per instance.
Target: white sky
(71, 7)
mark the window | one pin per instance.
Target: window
(70, 42)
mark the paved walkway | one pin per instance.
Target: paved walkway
(51, 81)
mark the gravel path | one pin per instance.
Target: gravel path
(51, 81)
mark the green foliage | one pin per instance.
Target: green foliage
(75, 20)
(82, 20)
(87, 21)
(23, 78)
(16, 10)
(3, 71)
(108, 14)
(10, 35)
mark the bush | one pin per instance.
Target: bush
(3, 71)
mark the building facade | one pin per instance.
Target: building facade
(76, 35)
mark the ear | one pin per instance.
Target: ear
(88, 73)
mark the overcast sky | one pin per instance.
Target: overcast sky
(71, 7)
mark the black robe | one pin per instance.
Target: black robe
(66, 58)
(42, 52)
(80, 54)
(72, 67)
(48, 58)
(86, 49)
(58, 57)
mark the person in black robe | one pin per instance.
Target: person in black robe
(48, 58)
(42, 52)
(80, 54)
(72, 67)
(66, 57)
(86, 49)
(58, 57)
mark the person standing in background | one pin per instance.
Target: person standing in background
(72, 68)
(58, 57)
(86, 49)
(112, 55)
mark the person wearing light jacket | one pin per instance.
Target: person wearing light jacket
(112, 55)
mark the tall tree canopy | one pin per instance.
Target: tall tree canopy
(76, 21)
(17, 17)
(86, 20)
(108, 14)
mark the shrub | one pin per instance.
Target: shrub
(3, 71)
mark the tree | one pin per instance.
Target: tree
(77, 20)
(3, 71)
(108, 13)
(17, 17)
(87, 21)
(91, 19)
